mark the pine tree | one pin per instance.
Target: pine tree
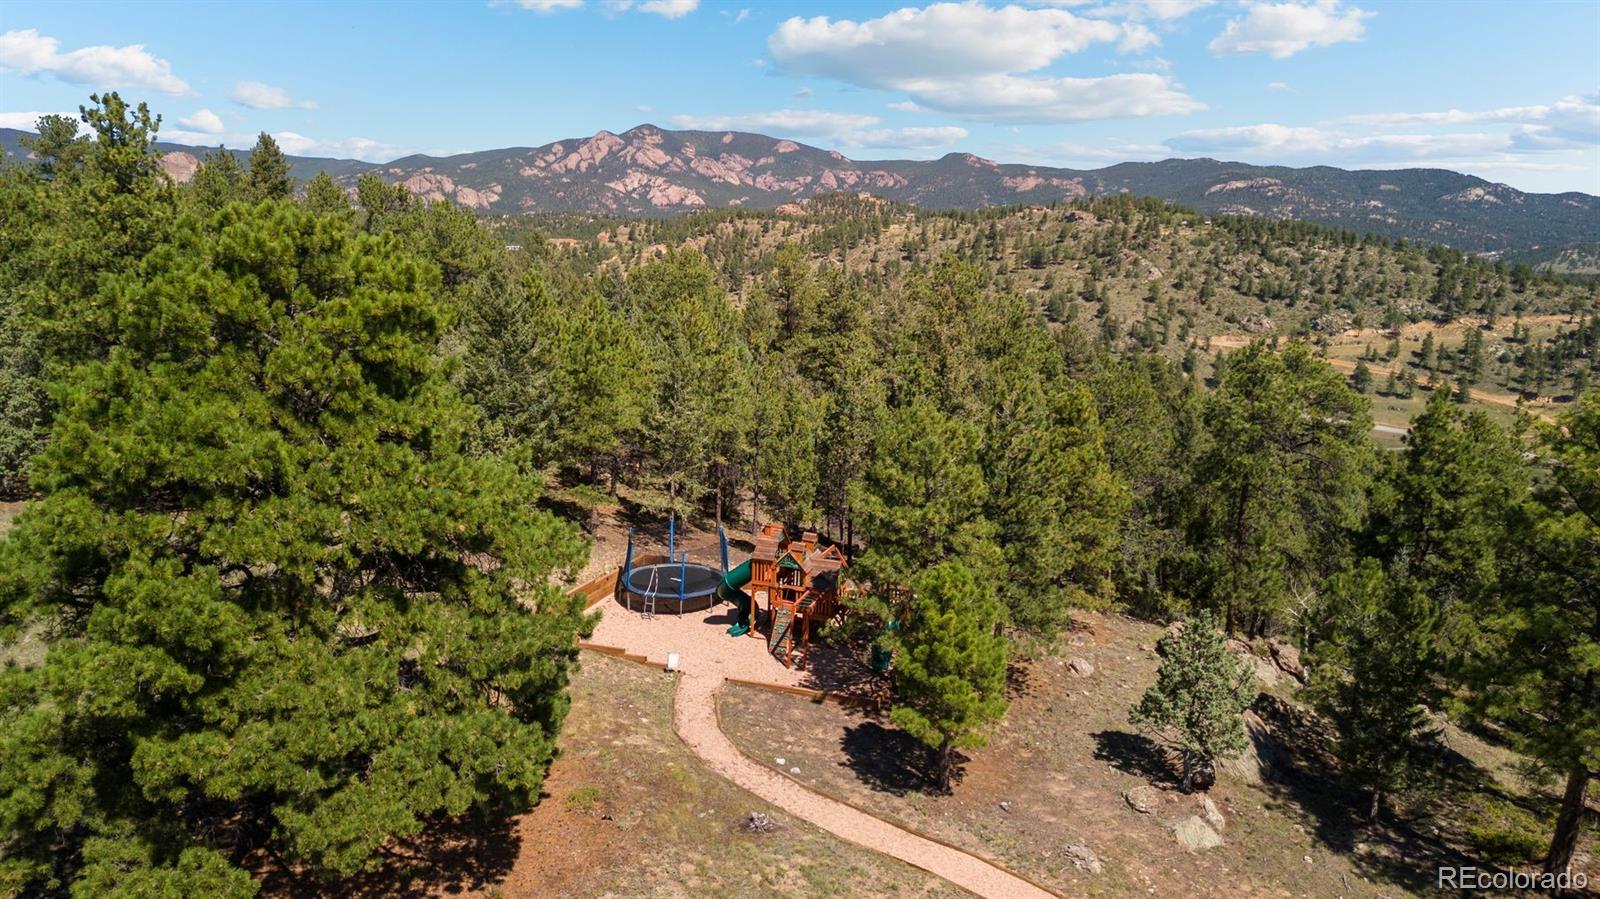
(1054, 501)
(1361, 379)
(920, 498)
(1283, 480)
(218, 181)
(949, 664)
(1372, 676)
(98, 203)
(1197, 703)
(269, 171)
(324, 197)
(1536, 662)
(287, 609)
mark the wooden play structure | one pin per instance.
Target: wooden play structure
(797, 582)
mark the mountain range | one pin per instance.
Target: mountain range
(651, 171)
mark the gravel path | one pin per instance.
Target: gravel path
(694, 716)
(706, 657)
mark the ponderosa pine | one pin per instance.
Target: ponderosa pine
(285, 607)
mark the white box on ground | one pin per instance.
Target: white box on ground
(672, 661)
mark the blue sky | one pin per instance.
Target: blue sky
(1509, 91)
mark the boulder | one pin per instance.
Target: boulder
(1195, 835)
(759, 822)
(1143, 799)
(1084, 859)
(1287, 657)
(1080, 666)
(1212, 814)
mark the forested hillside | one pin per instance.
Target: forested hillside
(303, 471)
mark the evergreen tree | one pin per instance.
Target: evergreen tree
(269, 171)
(1361, 379)
(1197, 703)
(1372, 676)
(1442, 513)
(1536, 663)
(1283, 480)
(1054, 501)
(919, 501)
(950, 667)
(287, 609)
(96, 206)
(324, 197)
(218, 181)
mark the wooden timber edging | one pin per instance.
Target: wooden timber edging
(818, 696)
(980, 856)
(617, 652)
(598, 588)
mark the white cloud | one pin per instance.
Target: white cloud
(1281, 30)
(913, 138)
(362, 148)
(204, 121)
(546, 6)
(670, 9)
(966, 59)
(1009, 98)
(803, 93)
(28, 121)
(1284, 143)
(843, 129)
(1279, 86)
(1137, 38)
(257, 95)
(27, 52)
(1575, 119)
(945, 40)
(1160, 10)
(904, 106)
(740, 16)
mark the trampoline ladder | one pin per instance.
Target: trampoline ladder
(648, 610)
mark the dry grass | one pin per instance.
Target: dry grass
(1061, 762)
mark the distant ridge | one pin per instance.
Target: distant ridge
(650, 171)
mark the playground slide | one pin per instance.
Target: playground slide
(729, 591)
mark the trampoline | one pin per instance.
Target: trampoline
(675, 586)
(672, 586)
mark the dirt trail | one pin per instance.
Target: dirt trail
(694, 716)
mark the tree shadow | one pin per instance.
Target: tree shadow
(1019, 680)
(834, 668)
(1136, 754)
(449, 857)
(1301, 773)
(889, 760)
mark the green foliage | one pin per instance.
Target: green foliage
(1055, 503)
(1374, 673)
(919, 501)
(1505, 834)
(324, 197)
(269, 177)
(1197, 703)
(698, 423)
(218, 181)
(94, 206)
(1282, 481)
(950, 664)
(1536, 662)
(288, 608)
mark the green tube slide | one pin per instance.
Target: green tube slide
(729, 591)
